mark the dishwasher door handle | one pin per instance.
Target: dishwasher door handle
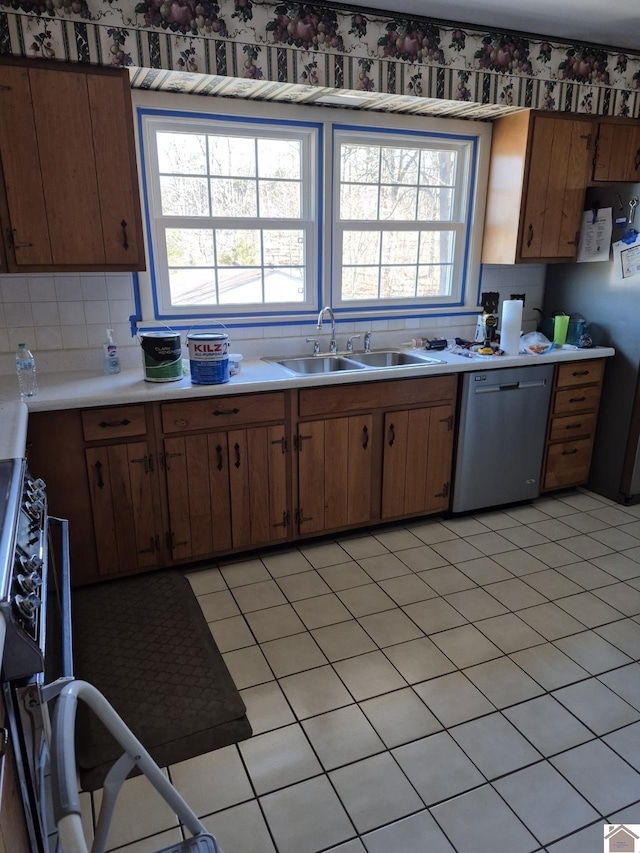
(512, 386)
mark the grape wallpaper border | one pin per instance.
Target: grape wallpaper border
(244, 47)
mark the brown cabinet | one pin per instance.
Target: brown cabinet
(572, 423)
(539, 172)
(70, 198)
(617, 156)
(13, 826)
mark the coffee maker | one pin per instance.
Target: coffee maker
(487, 323)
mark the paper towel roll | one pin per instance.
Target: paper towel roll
(511, 326)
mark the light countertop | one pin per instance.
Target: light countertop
(13, 428)
(81, 389)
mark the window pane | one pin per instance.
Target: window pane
(192, 287)
(397, 282)
(434, 280)
(435, 204)
(398, 202)
(436, 247)
(279, 158)
(240, 285)
(437, 168)
(233, 197)
(360, 163)
(400, 165)
(237, 248)
(358, 202)
(283, 248)
(279, 199)
(189, 247)
(232, 156)
(361, 247)
(360, 283)
(184, 196)
(400, 247)
(284, 284)
(182, 153)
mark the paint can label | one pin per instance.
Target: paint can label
(161, 356)
(208, 358)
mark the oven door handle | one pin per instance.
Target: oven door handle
(65, 596)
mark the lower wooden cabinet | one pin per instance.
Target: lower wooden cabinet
(572, 424)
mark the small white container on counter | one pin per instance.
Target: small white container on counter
(235, 363)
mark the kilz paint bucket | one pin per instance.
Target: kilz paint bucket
(208, 357)
(161, 356)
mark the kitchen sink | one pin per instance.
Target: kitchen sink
(317, 364)
(392, 358)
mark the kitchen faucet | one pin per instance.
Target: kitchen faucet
(333, 347)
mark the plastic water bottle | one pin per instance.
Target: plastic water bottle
(26, 370)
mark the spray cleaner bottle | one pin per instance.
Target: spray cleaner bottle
(111, 362)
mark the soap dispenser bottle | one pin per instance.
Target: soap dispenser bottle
(111, 362)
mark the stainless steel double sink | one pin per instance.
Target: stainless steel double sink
(376, 359)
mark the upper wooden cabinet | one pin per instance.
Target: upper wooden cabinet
(617, 155)
(540, 169)
(67, 154)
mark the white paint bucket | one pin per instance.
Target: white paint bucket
(208, 357)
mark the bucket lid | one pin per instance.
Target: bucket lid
(207, 336)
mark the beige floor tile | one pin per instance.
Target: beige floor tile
(552, 584)
(515, 594)
(526, 514)
(241, 829)
(414, 834)
(362, 546)
(582, 503)
(437, 768)
(230, 634)
(586, 547)
(342, 736)
(369, 675)
(384, 566)
(626, 742)
(596, 706)
(550, 667)
(600, 775)
(550, 621)
(274, 622)
(419, 660)
(494, 745)
(589, 609)
(241, 574)
(618, 538)
(456, 551)
(524, 536)
(153, 843)
(454, 699)
(218, 605)
(519, 563)
(325, 554)
(267, 707)
(431, 532)
(247, 667)
(446, 580)
(304, 585)
(400, 717)
(257, 596)
(286, 563)
(321, 610)
(466, 646)
(390, 627)
(625, 682)
(552, 555)
(375, 791)
(490, 543)
(206, 580)
(484, 570)
(552, 529)
(509, 633)
(320, 819)
(315, 691)
(363, 600)
(592, 652)
(421, 559)
(502, 682)
(632, 529)
(548, 725)
(211, 782)
(289, 655)
(554, 508)
(585, 523)
(623, 635)
(612, 515)
(397, 540)
(354, 846)
(476, 604)
(344, 576)
(496, 520)
(434, 615)
(344, 640)
(278, 758)
(587, 575)
(408, 588)
(466, 525)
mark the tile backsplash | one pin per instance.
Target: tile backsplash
(62, 318)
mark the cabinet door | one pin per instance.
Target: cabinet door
(120, 484)
(555, 190)
(258, 485)
(334, 473)
(618, 152)
(417, 461)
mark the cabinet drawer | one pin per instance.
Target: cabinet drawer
(114, 422)
(576, 400)
(568, 463)
(375, 395)
(572, 426)
(222, 412)
(580, 373)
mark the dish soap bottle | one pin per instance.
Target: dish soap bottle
(111, 363)
(26, 370)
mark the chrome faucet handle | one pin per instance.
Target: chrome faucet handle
(367, 341)
(333, 346)
(316, 345)
(350, 341)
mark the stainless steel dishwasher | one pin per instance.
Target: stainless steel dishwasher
(503, 422)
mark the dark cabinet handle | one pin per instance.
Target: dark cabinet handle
(569, 452)
(219, 455)
(144, 460)
(125, 239)
(580, 373)
(108, 424)
(98, 467)
(13, 239)
(392, 435)
(530, 236)
(636, 162)
(577, 399)
(225, 412)
(365, 437)
(236, 447)
(573, 426)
